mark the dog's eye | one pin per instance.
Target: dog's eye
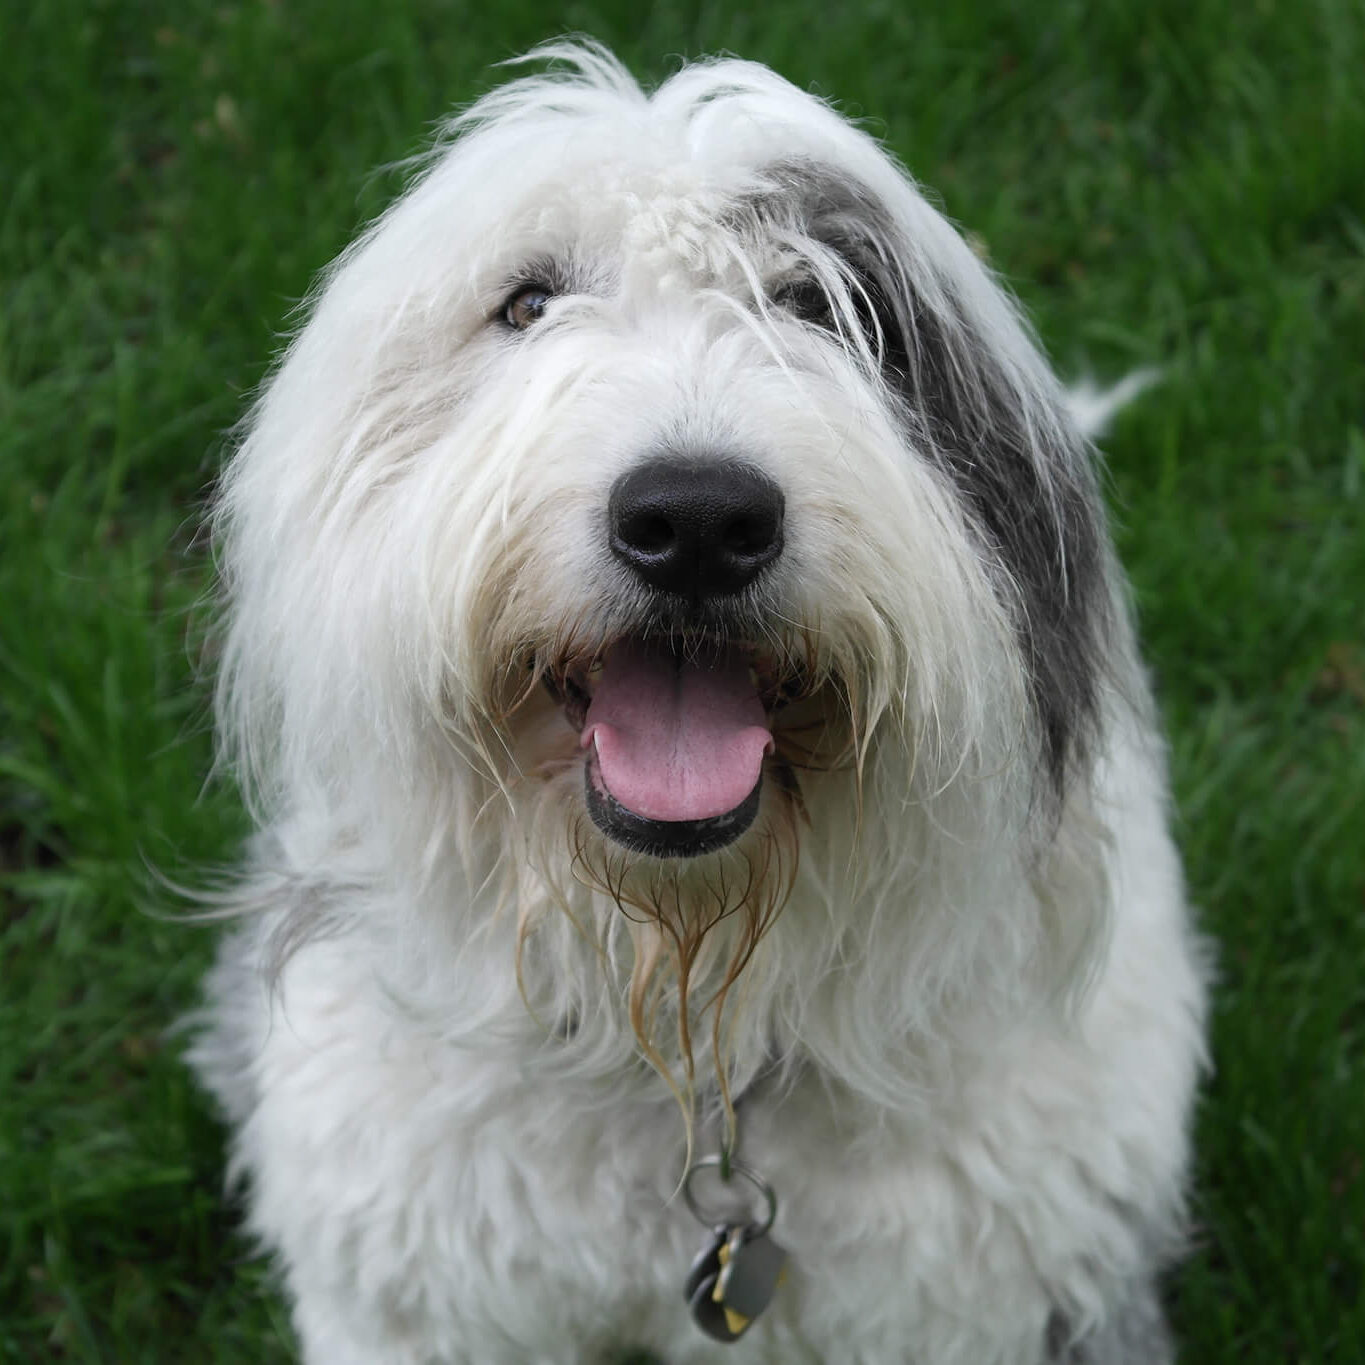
(526, 306)
(805, 299)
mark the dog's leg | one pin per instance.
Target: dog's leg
(1136, 1333)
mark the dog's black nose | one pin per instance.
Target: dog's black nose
(696, 529)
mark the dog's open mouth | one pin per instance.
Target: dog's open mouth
(675, 734)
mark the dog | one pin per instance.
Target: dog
(712, 893)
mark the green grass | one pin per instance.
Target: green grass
(1172, 182)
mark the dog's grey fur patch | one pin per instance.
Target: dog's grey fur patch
(1037, 512)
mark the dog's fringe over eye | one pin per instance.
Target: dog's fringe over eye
(805, 299)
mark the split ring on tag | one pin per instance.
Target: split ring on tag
(756, 1227)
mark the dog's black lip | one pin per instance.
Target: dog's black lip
(567, 692)
(664, 838)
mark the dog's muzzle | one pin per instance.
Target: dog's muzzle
(674, 722)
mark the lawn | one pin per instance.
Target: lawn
(1178, 183)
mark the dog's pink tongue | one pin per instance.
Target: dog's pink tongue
(677, 739)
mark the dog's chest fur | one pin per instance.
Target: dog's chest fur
(460, 1195)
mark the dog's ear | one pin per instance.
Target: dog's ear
(1024, 476)
(977, 399)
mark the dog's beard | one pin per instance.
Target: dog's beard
(693, 924)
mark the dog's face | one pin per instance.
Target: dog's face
(665, 468)
(713, 516)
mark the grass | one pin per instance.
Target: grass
(1180, 182)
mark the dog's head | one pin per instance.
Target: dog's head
(663, 485)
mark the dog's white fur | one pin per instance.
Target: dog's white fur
(964, 1052)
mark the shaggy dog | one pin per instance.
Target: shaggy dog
(713, 881)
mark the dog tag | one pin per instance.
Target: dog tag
(751, 1270)
(711, 1317)
(733, 1278)
(699, 1289)
(706, 1266)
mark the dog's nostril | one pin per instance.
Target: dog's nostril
(749, 535)
(694, 528)
(650, 535)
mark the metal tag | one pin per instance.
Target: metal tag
(712, 1317)
(699, 1289)
(751, 1271)
(735, 1275)
(706, 1265)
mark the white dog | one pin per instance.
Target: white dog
(677, 661)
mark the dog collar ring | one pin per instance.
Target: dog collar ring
(751, 1177)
